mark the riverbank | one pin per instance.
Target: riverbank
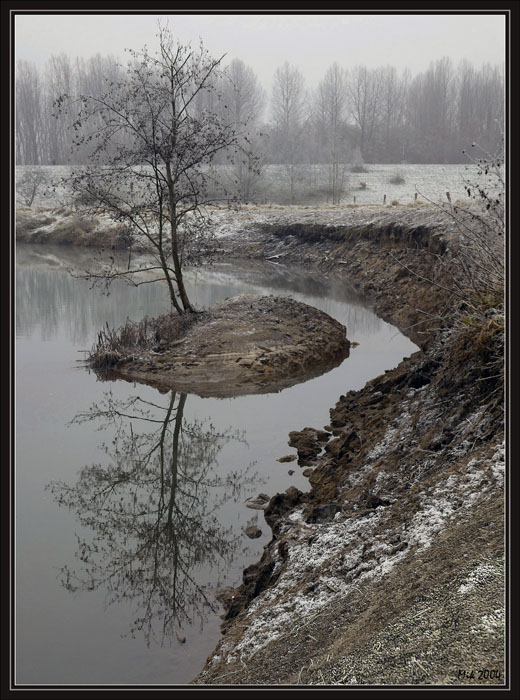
(391, 569)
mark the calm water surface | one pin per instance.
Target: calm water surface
(131, 504)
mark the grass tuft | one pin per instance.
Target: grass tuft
(135, 337)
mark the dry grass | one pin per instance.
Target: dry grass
(133, 337)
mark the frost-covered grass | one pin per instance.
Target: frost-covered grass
(348, 551)
(428, 181)
(490, 623)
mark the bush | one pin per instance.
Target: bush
(476, 264)
(397, 178)
(359, 168)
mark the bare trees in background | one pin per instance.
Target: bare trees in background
(288, 106)
(432, 102)
(59, 79)
(243, 102)
(29, 115)
(364, 88)
(479, 112)
(392, 113)
(385, 115)
(330, 121)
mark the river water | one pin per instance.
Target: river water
(131, 504)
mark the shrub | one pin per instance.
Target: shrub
(397, 178)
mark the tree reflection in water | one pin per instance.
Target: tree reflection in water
(152, 511)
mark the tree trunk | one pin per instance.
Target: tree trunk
(175, 251)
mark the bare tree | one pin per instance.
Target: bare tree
(288, 109)
(59, 79)
(430, 112)
(243, 95)
(243, 100)
(491, 89)
(150, 155)
(394, 89)
(330, 115)
(34, 181)
(29, 111)
(364, 88)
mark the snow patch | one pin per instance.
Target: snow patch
(397, 432)
(478, 577)
(489, 624)
(498, 463)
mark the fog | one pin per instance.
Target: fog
(312, 89)
(264, 42)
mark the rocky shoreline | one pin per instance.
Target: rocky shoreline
(390, 570)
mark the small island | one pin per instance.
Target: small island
(244, 345)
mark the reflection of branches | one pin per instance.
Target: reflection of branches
(153, 513)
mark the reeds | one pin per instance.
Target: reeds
(135, 337)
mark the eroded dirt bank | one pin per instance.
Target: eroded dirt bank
(390, 570)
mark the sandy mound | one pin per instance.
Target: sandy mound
(244, 345)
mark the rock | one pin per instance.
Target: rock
(253, 532)
(322, 514)
(259, 503)
(293, 493)
(374, 501)
(280, 504)
(287, 458)
(306, 463)
(307, 472)
(256, 506)
(306, 443)
(225, 595)
(255, 579)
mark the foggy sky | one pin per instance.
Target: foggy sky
(311, 42)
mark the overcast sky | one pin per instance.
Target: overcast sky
(312, 42)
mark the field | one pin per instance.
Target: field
(427, 182)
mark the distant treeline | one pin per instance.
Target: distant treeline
(356, 115)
